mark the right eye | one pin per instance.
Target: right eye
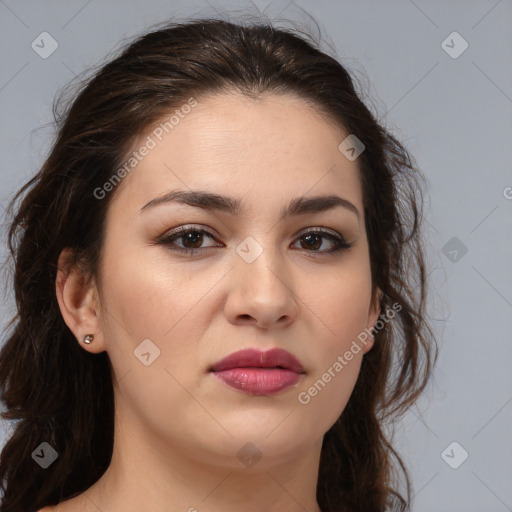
(190, 236)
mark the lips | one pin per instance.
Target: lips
(259, 373)
(254, 358)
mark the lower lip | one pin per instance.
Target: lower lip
(259, 381)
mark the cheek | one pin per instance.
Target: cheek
(339, 301)
(340, 314)
(340, 350)
(148, 296)
(150, 336)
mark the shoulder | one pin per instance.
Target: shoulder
(72, 505)
(78, 503)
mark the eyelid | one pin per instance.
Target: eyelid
(182, 230)
(199, 227)
(338, 239)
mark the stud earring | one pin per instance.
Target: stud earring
(88, 339)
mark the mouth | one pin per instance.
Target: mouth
(259, 373)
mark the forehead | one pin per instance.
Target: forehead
(275, 146)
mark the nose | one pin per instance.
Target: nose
(262, 292)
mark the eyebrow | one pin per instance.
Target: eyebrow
(210, 201)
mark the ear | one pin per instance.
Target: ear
(79, 301)
(373, 316)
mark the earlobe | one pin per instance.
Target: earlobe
(76, 295)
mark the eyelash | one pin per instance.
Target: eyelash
(340, 243)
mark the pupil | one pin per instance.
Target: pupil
(309, 237)
(194, 235)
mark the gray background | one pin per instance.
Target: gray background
(454, 115)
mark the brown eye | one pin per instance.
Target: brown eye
(195, 238)
(192, 239)
(313, 240)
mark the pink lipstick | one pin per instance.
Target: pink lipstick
(259, 373)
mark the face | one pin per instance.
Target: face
(255, 280)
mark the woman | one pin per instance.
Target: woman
(220, 285)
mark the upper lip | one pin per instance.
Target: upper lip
(253, 357)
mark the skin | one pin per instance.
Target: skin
(178, 428)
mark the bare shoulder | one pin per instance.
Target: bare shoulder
(80, 503)
(76, 504)
(60, 508)
(65, 506)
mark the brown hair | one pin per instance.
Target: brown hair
(59, 393)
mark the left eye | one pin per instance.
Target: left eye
(193, 239)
